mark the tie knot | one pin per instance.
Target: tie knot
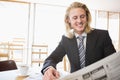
(81, 38)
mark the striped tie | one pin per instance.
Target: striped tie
(81, 52)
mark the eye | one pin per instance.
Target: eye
(82, 16)
(74, 18)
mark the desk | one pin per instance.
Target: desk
(15, 75)
(11, 75)
(33, 73)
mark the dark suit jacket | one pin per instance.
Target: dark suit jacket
(98, 46)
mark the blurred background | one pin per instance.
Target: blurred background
(31, 29)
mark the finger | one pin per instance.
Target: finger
(57, 74)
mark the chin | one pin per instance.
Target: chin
(81, 30)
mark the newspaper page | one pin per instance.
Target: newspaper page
(105, 69)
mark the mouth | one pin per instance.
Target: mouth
(80, 24)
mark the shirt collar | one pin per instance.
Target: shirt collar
(83, 34)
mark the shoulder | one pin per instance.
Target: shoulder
(64, 37)
(99, 32)
(66, 40)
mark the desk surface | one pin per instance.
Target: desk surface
(11, 75)
(21, 77)
(15, 75)
(33, 73)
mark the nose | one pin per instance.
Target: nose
(79, 19)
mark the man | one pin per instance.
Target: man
(96, 44)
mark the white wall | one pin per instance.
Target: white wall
(108, 5)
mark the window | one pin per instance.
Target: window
(101, 20)
(114, 24)
(49, 25)
(13, 21)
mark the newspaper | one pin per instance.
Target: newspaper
(105, 69)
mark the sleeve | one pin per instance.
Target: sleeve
(54, 58)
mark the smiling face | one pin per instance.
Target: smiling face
(77, 19)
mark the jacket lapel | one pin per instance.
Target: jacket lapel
(74, 53)
(90, 45)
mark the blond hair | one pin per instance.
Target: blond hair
(69, 30)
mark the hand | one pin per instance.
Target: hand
(51, 74)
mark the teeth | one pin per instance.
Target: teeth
(80, 24)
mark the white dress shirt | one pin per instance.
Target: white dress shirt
(83, 34)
